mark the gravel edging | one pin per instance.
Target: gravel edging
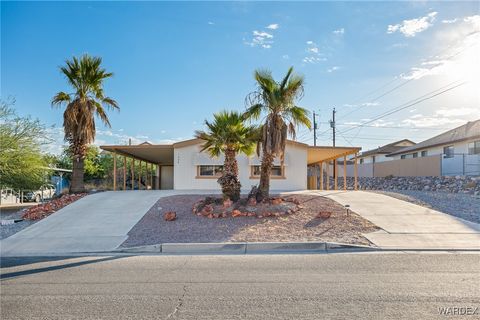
(460, 205)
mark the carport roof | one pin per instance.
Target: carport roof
(154, 153)
(326, 153)
(163, 153)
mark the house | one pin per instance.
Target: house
(463, 140)
(182, 166)
(458, 148)
(380, 154)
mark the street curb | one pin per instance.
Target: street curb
(246, 248)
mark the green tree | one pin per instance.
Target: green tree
(277, 101)
(21, 161)
(229, 135)
(86, 76)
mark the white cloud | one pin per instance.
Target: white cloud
(443, 117)
(364, 104)
(409, 28)
(286, 56)
(211, 23)
(450, 21)
(273, 26)
(314, 54)
(333, 69)
(460, 60)
(261, 39)
(339, 31)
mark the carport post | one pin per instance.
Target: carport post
(114, 171)
(133, 174)
(355, 174)
(124, 173)
(151, 176)
(321, 175)
(345, 173)
(139, 174)
(327, 164)
(335, 174)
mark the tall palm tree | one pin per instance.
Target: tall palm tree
(86, 76)
(275, 100)
(229, 135)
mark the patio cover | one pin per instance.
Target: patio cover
(325, 153)
(154, 153)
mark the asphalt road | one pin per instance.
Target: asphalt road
(334, 286)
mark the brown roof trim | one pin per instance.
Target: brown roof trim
(192, 142)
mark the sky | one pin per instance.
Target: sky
(392, 70)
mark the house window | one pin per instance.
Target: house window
(209, 171)
(448, 152)
(277, 172)
(361, 161)
(403, 156)
(424, 153)
(415, 155)
(474, 147)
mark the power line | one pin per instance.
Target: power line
(409, 80)
(417, 101)
(393, 127)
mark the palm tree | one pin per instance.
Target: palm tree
(86, 76)
(282, 117)
(228, 134)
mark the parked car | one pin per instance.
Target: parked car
(45, 192)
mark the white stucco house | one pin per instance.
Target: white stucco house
(182, 166)
(459, 149)
(380, 154)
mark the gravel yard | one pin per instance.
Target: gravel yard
(460, 205)
(12, 213)
(299, 226)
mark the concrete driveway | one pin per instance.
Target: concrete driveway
(407, 225)
(98, 222)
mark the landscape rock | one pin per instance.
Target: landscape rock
(236, 213)
(170, 216)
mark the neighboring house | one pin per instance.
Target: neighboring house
(459, 149)
(182, 166)
(380, 154)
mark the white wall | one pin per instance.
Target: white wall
(187, 158)
(459, 148)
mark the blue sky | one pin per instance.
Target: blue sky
(177, 63)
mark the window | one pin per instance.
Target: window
(474, 147)
(415, 155)
(209, 171)
(361, 161)
(424, 153)
(277, 171)
(403, 156)
(448, 152)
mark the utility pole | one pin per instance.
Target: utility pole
(332, 125)
(314, 129)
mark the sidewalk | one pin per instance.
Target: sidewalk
(406, 225)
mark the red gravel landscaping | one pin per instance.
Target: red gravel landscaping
(316, 219)
(45, 209)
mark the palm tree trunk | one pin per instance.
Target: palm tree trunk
(229, 181)
(265, 170)
(77, 185)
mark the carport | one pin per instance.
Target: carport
(146, 163)
(320, 158)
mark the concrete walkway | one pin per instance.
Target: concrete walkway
(97, 222)
(407, 225)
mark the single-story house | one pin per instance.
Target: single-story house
(380, 154)
(182, 166)
(463, 140)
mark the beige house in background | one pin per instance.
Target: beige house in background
(380, 154)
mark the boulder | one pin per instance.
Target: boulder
(236, 213)
(170, 216)
(276, 201)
